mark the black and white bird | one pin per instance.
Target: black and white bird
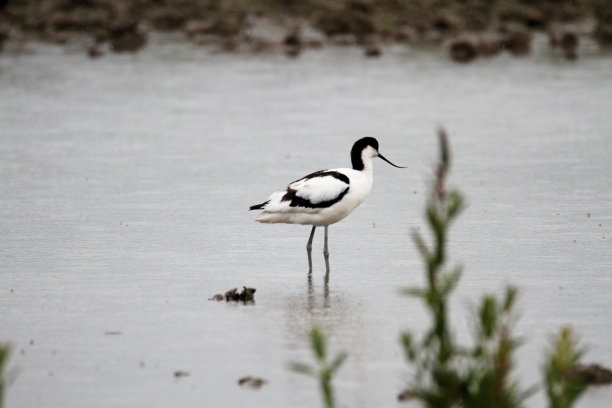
(324, 197)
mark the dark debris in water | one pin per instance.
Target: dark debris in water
(592, 374)
(180, 374)
(246, 295)
(252, 382)
(405, 395)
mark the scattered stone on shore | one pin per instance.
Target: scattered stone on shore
(464, 48)
(4, 35)
(125, 36)
(404, 34)
(246, 295)
(230, 26)
(372, 50)
(569, 44)
(79, 20)
(167, 18)
(223, 24)
(293, 42)
(94, 51)
(567, 40)
(592, 374)
(251, 382)
(468, 46)
(491, 44)
(603, 35)
(517, 41)
(529, 16)
(343, 40)
(602, 9)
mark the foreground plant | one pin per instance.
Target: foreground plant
(324, 370)
(564, 381)
(4, 355)
(453, 375)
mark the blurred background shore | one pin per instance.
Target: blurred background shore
(466, 28)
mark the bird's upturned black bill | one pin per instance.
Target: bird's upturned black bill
(383, 157)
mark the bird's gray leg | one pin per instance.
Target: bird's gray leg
(326, 253)
(309, 249)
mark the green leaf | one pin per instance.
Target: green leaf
(511, 295)
(337, 362)
(565, 383)
(421, 244)
(435, 222)
(317, 340)
(488, 315)
(414, 292)
(302, 368)
(454, 204)
(444, 148)
(449, 281)
(409, 347)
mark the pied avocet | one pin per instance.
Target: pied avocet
(324, 197)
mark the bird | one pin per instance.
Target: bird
(324, 197)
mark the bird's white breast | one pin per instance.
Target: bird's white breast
(359, 188)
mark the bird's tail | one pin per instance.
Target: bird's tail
(258, 206)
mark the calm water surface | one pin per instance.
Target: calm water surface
(123, 209)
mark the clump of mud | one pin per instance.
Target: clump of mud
(252, 382)
(592, 374)
(246, 295)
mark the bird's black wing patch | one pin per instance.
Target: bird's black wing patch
(296, 201)
(302, 202)
(258, 206)
(322, 173)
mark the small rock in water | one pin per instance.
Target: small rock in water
(231, 294)
(246, 295)
(218, 297)
(252, 382)
(404, 395)
(179, 374)
(593, 374)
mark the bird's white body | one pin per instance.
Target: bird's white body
(322, 198)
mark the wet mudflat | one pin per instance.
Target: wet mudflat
(125, 185)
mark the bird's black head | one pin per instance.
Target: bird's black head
(369, 147)
(358, 148)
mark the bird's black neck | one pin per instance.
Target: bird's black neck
(356, 159)
(357, 151)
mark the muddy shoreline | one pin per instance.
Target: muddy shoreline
(468, 29)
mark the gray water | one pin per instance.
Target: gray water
(123, 209)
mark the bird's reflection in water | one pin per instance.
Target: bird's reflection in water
(317, 303)
(311, 292)
(339, 314)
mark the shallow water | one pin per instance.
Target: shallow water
(125, 184)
